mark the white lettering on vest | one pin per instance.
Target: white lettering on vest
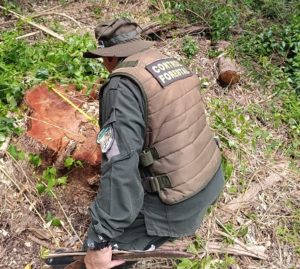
(161, 67)
(155, 69)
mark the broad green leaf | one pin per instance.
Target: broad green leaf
(69, 161)
(40, 188)
(42, 73)
(35, 159)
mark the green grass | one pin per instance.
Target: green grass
(265, 38)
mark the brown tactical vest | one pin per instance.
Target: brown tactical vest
(179, 149)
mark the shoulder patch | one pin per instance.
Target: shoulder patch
(106, 138)
(167, 71)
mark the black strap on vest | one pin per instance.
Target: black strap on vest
(156, 183)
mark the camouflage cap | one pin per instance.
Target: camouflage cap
(118, 38)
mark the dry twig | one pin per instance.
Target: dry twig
(38, 241)
(28, 35)
(29, 201)
(247, 198)
(67, 218)
(4, 146)
(41, 27)
(24, 189)
(198, 15)
(251, 251)
(58, 14)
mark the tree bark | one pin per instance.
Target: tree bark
(228, 73)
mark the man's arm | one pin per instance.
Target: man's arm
(120, 198)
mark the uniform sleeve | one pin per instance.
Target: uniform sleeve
(120, 197)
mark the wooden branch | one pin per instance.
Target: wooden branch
(4, 146)
(58, 14)
(247, 248)
(239, 248)
(268, 98)
(247, 198)
(32, 205)
(198, 15)
(39, 241)
(180, 244)
(28, 35)
(64, 153)
(41, 27)
(2, 252)
(251, 251)
(167, 30)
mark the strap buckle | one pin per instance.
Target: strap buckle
(148, 156)
(155, 184)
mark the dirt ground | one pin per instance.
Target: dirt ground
(24, 234)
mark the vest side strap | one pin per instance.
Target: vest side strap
(148, 156)
(127, 64)
(155, 184)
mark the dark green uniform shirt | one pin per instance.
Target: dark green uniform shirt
(121, 197)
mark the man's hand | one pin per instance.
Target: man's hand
(101, 259)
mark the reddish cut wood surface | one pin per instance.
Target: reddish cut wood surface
(54, 123)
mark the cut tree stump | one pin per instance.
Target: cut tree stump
(60, 127)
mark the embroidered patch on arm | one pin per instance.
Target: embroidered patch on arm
(107, 141)
(106, 138)
(167, 71)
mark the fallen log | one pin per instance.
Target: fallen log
(227, 69)
(228, 73)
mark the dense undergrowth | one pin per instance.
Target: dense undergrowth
(265, 38)
(24, 64)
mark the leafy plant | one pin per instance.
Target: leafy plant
(190, 47)
(69, 162)
(54, 221)
(50, 180)
(234, 232)
(227, 168)
(35, 159)
(16, 153)
(223, 18)
(213, 53)
(207, 262)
